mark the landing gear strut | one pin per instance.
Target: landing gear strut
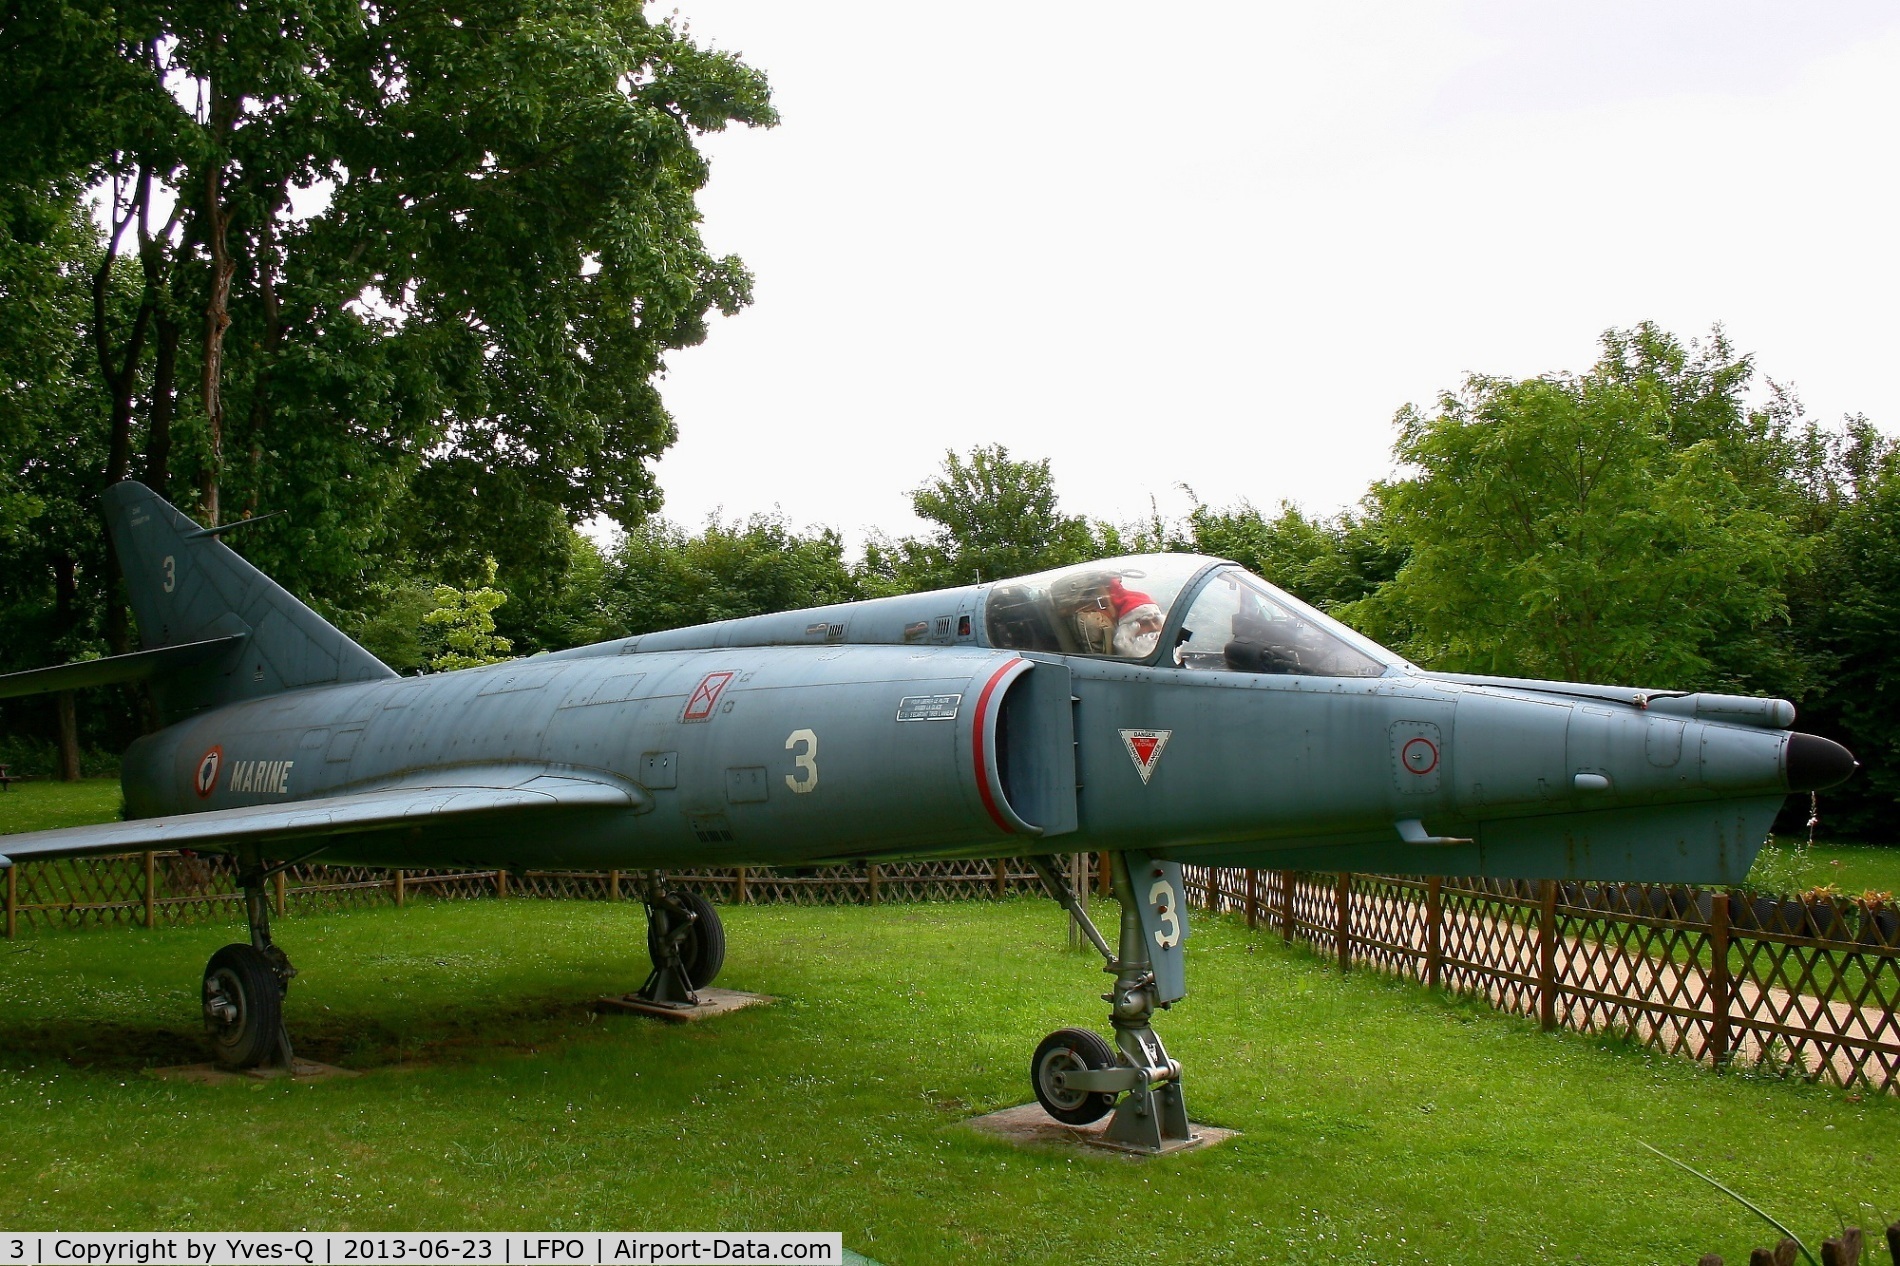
(686, 942)
(1077, 1077)
(244, 987)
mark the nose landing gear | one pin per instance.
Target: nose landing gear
(1077, 1077)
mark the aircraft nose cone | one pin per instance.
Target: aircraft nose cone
(1815, 763)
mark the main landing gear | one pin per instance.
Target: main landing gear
(1077, 1075)
(244, 987)
(686, 942)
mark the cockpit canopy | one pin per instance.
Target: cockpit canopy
(1113, 608)
(1118, 608)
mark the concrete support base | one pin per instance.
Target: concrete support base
(712, 1002)
(1029, 1125)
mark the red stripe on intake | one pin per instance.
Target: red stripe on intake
(976, 743)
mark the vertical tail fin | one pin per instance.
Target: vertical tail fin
(185, 585)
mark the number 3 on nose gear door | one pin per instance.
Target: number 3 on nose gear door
(1164, 921)
(1167, 906)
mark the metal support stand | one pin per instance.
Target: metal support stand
(670, 923)
(1151, 1116)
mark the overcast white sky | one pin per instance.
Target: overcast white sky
(1221, 244)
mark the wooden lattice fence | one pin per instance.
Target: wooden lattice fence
(1808, 987)
(164, 888)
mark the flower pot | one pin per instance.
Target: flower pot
(1826, 919)
(1880, 926)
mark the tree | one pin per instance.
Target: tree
(1588, 527)
(661, 578)
(465, 620)
(1325, 561)
(51, 545)
(995, 517)
(454, 340)
(1846, 613)
(464, 335)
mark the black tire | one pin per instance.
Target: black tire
(243, 1006)
(703, 952)
(1071, 1050)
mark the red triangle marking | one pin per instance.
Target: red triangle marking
(1144, 749)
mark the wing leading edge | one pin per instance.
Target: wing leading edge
(461, 795)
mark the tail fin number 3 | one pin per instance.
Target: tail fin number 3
(171, 572)
(805, 762)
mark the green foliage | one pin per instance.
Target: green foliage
(394, 625)
(28, 757)
(1588, 528)
(993, 517)
(459, 344)
(46, 243)
(528, 209)
(1327, 562)
(659, 577)
(1784, 865)
(465, 618)
(561, 603)
(1849, 612)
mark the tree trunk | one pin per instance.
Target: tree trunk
(120, 371)
(65, 589)
(266, 273)
(68, 736)
(158, 435)
(223, 116)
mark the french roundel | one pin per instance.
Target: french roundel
(207, 778)
(1420, 755)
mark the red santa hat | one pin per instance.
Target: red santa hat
(1131, 604)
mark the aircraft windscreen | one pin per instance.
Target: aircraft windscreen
(1113, 608)
(1241, 624)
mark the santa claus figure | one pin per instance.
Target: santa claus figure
(1137, 620)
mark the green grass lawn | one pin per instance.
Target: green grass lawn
(1856, 868)
(1379, 1123)
(42, 804)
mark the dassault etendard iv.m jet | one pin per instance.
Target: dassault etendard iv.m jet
(1162, 709)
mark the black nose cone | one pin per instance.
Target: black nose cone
(1815, 763)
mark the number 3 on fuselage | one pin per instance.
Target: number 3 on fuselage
(806, 762)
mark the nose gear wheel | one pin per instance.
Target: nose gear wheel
(1062, 1053)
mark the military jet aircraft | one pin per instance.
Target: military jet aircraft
(1163, 709)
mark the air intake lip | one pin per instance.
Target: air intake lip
(1813, 763)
